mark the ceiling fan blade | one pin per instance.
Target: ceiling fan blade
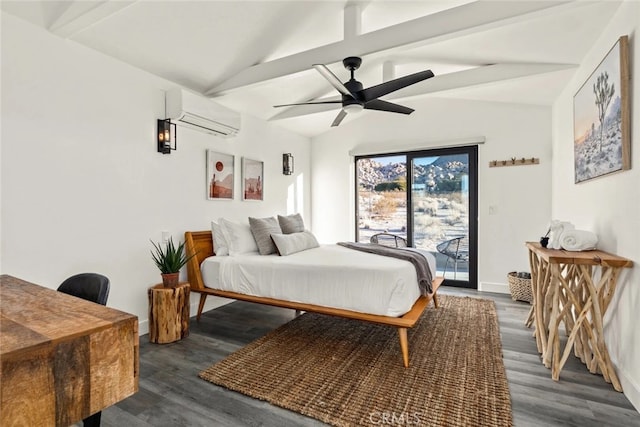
(380, 105)
(309, 103)
(341, 115)
(331, 78)
(382, 89)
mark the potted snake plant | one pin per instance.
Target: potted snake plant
(169, 260)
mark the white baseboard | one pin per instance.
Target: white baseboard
(500, 288)
(143, 327)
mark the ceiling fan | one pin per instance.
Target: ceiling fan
(355, 98)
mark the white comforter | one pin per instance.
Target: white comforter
(329, 276)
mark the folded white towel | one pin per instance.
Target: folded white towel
(578, 240)
(556, 229)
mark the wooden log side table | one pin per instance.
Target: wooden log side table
(574, 288)
(168, 313)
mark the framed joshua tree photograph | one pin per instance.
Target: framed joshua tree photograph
(601, 140)
(252, 179)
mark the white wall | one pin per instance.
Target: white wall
(519, 195)
(83, 188)
(609, 206)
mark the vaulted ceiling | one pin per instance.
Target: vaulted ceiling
(252, 55)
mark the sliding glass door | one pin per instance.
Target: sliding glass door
(442, 204)
(428, 197)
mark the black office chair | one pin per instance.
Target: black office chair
(91, 287)
(388, 239)
(455, 251)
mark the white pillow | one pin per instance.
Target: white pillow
(288, 244)
(239, 237)
(220, 245)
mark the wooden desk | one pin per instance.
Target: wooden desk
(62, 358)
(574, 288)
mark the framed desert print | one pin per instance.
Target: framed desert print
(252, 179)
(601, 139)
(219, 176)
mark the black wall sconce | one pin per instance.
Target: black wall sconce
(165, 138)
(287, 164)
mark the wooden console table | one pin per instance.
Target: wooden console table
(168, 313)
(574, 288)
(62, 358)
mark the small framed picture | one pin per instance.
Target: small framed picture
(252, 179)
(219, 176)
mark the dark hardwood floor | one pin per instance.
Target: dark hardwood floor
(171, 394)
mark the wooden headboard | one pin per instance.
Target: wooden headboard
(201, 244)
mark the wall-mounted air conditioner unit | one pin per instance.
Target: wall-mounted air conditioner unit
(200, 113)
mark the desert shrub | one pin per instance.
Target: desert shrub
(384, 207)
(399, 184)
(452, 219)
(455, 196)
(457, 208)
(425, 221)
(428, 206)
(428, 228)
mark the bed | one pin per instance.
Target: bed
(400, 312)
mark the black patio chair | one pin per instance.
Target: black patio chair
(455, 251)
(388, 239)
(91, 287)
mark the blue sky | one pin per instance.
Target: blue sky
(402, 159)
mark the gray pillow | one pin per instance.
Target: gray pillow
(262, 229)
(291, 223)
(288, 244)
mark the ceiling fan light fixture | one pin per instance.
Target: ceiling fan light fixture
(355, 96)
(353, 108)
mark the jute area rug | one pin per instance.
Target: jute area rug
(350, 373)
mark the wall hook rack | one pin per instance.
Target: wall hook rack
(515, 161)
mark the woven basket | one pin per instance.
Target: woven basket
(520, 288)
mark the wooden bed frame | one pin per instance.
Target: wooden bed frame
(201, 243)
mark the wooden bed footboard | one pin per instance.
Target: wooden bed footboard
(201, 244)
